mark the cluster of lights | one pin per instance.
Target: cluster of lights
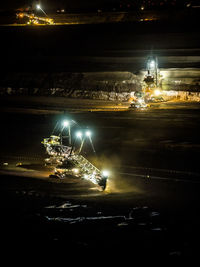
(82, 168)
(79, 134)
(91, 177)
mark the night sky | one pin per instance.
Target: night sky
(55, 3)
(82, 4)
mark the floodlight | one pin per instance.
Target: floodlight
(157, 92)
(152, 64)
(105, 173)
(88, 133)
(65, 123)
(79, 134)
(140, 100)
(75, 170)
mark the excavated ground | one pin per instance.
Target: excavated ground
(151, 205)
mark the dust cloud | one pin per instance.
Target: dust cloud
(117, 183)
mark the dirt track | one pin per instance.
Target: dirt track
(161, 138)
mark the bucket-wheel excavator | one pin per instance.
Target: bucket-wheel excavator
(64, 153)
(150, 86)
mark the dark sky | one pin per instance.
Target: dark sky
(55, 3)
(13, 4)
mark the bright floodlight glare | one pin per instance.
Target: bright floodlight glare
(79, 134)
(140, 100)
(75, 170)
(152, 64)
(105, 173)
(88, 133)
(38, 7)
(157, 92)
(65, 123)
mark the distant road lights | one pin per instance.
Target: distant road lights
(142, 8)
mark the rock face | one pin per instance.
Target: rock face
(96, 85)
(183, 84)
(182, 95)
(185, 79)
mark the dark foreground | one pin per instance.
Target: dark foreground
(160, 221)
(150, 209)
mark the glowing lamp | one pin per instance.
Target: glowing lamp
(105, 173)
(157, 92)
(79, 134)
(65, 123)
(88, 133)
